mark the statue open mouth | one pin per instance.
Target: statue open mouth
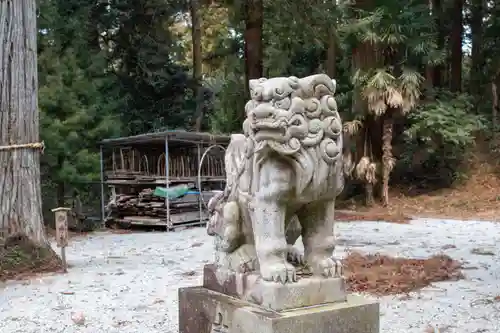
(269, 130)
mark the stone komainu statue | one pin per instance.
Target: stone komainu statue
(283, 175)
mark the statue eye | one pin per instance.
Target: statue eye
(296, 122)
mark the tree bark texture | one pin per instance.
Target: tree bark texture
(254, 48)
(476, 26)
(369, 197)
(456, 46)
(495, 103)
(437, 13)
(386, 157)
(194, 8)
(331, 55)
(429, 69)
(364, 57)
(20, 193)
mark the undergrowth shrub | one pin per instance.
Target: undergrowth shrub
(437, 139)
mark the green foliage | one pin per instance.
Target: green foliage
(449, 120)
(440, 134)
(77, 99)
(155, 90)
(73, 118)
(405, 27)
(228, 104)
(104, 70)
(109, 68)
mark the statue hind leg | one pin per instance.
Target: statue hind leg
(292, 233)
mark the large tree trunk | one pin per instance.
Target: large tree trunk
(365, 56)
(331, 51)
(437, 13)
(476, 26)
(94, 34)
(254, 49)
(194, 8)
(331, 55)
(20, 194)
(456, 46)
(429, 69)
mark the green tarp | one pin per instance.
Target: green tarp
(172, 192)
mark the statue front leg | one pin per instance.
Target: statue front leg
(318, 236)
(268, 221)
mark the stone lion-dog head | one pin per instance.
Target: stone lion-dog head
(296, 118)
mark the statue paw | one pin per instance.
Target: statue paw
(329, 267)
(294, 256)
(278, 272)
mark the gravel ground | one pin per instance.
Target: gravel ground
(128, 282)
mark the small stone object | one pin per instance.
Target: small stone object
(482, 251)
(78, 318)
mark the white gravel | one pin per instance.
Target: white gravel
(128, 282)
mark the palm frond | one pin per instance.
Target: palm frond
(371, 36)
(380, 92)
(393, 97)
(381, 79)
(436, 57)
(348, 164)
(352, 127)
(393, 35)
(409, 86)
(359, 78)
(362, 167)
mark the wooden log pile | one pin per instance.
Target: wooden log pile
(145, 204)
(144, 208)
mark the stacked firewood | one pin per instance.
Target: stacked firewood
(145, 203)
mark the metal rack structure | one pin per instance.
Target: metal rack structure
(165, 159)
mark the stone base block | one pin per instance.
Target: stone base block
(205, 311)
(250, 287)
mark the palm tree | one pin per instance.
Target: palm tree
(399, 35)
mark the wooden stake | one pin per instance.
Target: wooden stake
(61, 218)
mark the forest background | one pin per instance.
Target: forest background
(417, 91)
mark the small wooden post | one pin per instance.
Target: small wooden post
(61, 218)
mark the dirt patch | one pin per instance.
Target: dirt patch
(21, 258)
(476, 197)
(383, 275)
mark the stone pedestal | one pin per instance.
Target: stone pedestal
(205, 311)
(243, 303)
(276, 296)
